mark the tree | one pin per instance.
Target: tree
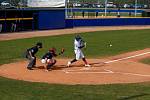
(14, 2)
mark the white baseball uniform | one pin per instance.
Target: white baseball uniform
(78, 52)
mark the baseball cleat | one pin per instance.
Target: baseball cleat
(29, 68)
(47, 70)
(68, 64)
(87, 65)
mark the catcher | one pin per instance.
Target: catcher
(48, 58)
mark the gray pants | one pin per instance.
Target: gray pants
(32, 61)
(13, 27)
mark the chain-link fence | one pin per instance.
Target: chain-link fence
(106, 8)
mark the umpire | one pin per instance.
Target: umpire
(30, 55)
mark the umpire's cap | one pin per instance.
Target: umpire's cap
(39, 44)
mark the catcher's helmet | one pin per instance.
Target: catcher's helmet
(39, 44)
(52, 49)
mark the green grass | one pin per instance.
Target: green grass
(146, 61)
(97, 44)
(20, 90)
(122, 14)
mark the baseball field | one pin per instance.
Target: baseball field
(125, 75)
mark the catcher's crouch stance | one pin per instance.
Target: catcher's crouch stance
(48, 58)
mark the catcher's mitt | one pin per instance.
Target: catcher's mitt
(62, 51)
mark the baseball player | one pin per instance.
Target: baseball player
(30, 54)
(48, 58)
(78, 45)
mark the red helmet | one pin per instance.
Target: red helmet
(52, 49)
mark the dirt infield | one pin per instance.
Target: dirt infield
(123, 68)
(121, 71)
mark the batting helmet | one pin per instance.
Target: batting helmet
(77, 37)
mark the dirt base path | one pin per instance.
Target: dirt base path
(121, 71)
(20, 35)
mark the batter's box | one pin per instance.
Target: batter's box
(88, 71)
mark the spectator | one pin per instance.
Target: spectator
(97, 14)
(118, 14)
(83, 14)
(1, 24)
(129, 14)
(1, 27)
(14, 25)
(73, 14)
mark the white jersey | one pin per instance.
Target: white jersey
(76, 45)
(78, 52)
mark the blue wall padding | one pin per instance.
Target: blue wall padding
(107, 22)
(69, 23)
(53, 19)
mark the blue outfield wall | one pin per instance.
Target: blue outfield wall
(52, 19)
(107, 22)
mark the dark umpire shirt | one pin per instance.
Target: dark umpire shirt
(33, 50)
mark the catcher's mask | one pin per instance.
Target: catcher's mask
(39, 44)
(77, 37)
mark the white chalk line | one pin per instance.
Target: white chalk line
(107, 62)
(106, 71)
(81, 69)
(109, 71)
(88, 72)
(133, 74)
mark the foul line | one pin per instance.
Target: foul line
(106, 71)
(133, 74)
(107, 62)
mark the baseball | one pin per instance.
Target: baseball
(43, 61)
(110, 45)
